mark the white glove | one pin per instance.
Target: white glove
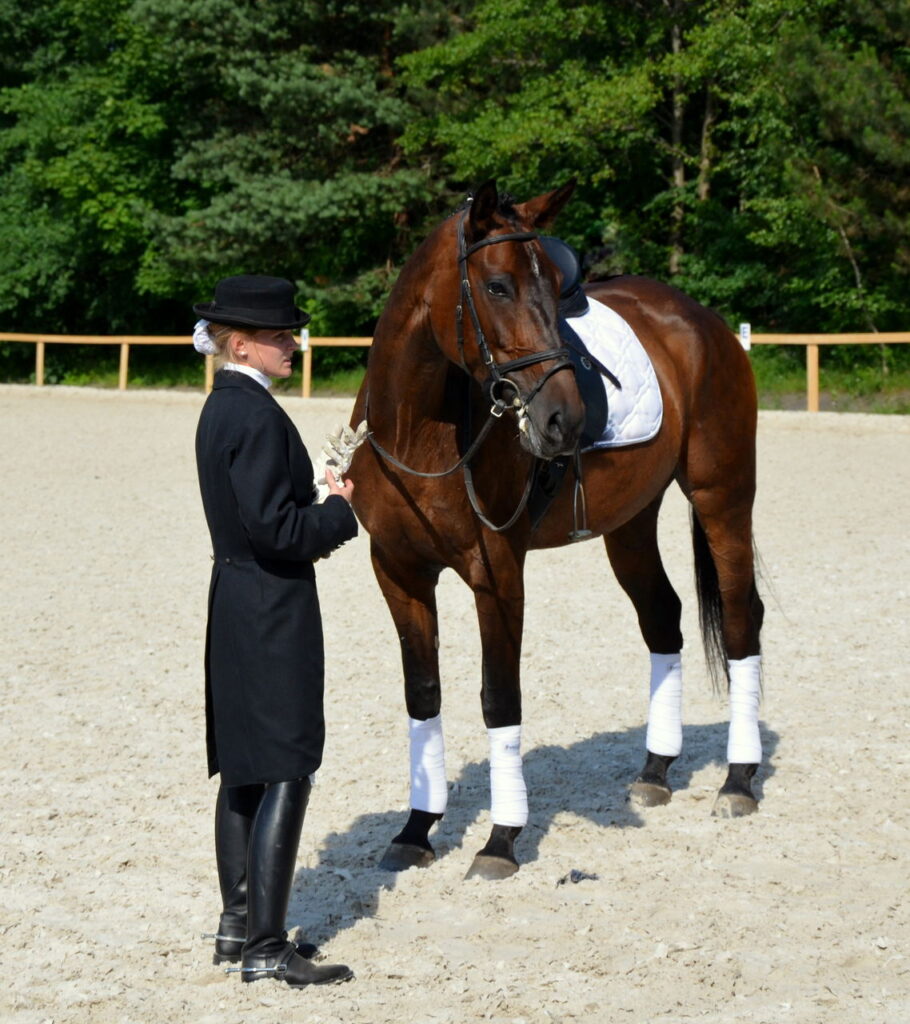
(338, 451)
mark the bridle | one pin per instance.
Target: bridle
(498, 372)
(496, 384)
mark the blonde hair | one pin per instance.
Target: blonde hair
(221, 335)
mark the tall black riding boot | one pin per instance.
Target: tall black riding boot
(235, 809)
(274, 840)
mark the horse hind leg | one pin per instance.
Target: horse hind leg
(635, 558)
(731, 614)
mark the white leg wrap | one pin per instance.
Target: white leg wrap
(429, 791)
(665, 710)
(744, 740)
(508, 793)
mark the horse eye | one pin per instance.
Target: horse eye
(497, 288)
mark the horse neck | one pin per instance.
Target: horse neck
(407, 369)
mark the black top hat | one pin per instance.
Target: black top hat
(252, 300)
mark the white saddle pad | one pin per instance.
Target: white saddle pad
(635, 412)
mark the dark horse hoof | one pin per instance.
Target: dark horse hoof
(401, 856)
(491, 868)
(650, 789)
(648, 794)
(735, 799)
(497, 859)
(733, 805)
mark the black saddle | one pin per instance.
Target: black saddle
(572, 299)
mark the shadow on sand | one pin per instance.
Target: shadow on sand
(589, 779)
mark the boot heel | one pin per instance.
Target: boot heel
(227, 947)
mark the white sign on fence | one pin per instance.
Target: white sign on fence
(745, 336)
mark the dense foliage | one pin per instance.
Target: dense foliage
(754, 152)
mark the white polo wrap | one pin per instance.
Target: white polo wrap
(665, 708)
(508, 793)
(744, 739)
(429, 791)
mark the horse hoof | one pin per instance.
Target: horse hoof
(648, 794)
(401, 856)
(734, 805)
(491, 868)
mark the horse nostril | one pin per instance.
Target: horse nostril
(555, 429)
(563, 429)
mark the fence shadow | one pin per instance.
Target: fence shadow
(589, 779)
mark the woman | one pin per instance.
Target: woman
(264, 647)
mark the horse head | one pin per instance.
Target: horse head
(502, 327)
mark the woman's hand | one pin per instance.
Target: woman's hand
(345, 488)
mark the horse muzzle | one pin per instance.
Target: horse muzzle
(551, 413)
(549, 430)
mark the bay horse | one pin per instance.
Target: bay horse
(468, 383)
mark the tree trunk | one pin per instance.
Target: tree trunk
(676, 139)
(706, 156)
(854, 264)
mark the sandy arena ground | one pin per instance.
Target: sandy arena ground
(797, 914)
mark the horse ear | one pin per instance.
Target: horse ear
(542, 211)
(484, 204)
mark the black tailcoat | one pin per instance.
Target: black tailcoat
(264, 651)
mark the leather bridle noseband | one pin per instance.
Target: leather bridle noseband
(497, 382)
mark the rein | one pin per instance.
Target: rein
(495, 386)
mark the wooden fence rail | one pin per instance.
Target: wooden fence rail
(127, 340)
(813, 343)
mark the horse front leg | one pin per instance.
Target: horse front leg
(410, 592)
(499, 599)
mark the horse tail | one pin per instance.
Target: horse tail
(710, 607)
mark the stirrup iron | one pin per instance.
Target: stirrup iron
(581, 531)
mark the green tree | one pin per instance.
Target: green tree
(838, 218)
(79, 169)
(149, 147)
(753, 151)
(287, 156)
